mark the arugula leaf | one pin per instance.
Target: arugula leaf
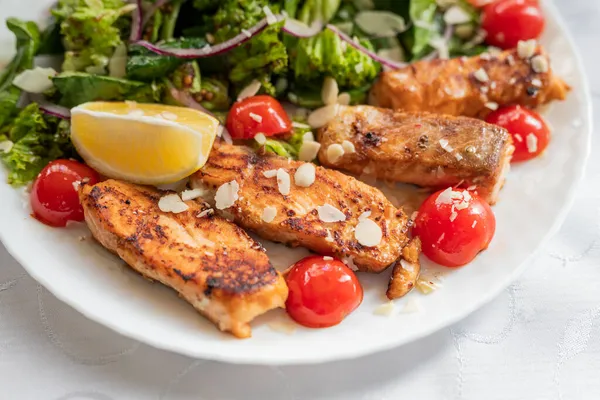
(38, 139)
(77, 88)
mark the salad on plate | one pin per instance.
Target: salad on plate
(371, 132)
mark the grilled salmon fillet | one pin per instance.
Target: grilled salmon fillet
(424, 149)
(297, 218)
(209, 261)
(470, 87)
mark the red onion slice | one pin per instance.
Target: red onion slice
(50, 108)
(209, 51)
(300, 29)
(382, 60)
(136, 22)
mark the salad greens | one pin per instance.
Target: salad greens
(100, 61)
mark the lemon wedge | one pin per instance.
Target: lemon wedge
(151, 144)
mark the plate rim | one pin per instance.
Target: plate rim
(373, 348)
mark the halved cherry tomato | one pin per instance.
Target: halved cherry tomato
(323, 292)
(454, 226)
(257, 114)
(54, 199)
(529, 131)
(509, 21)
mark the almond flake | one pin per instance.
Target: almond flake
(308, 151)
(385, 309)
(532, 143)
(444, 144)
(305, 175)
(455, 15)
(536, 82)
(227, 194)
(472, 187)
(458, 157)
(368, 233)
(328, 213)
(191, 194)
(526, 48)
(330, 91)
(410, 267)
(510, 60)
(481, 75)
(269, 214)
(448, 196)
(539, 64)
(300, 125)
(329, 238)
(321, 116)
(255, 117)
(344, 99)
(518, 137)
(364, 216)
(327, 258)
(308, 137)
(247, 33)
(283, 182)
(414, 215)
(271, 173)
(260, 138)
(271, 18)
(349, 261)
(441, 238)
(250, 90)
(453, 216)
(512, 81)
(205, 213)
(172, 203)
(491, 105)
(348, 147)
(474, 223)
(335, 152)
(6, 146)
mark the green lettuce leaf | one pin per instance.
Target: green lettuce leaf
(77, 88)
(91, 31)
(322, 10)
(37, 140)
(287, 148)
(422, 14)
(28, 40)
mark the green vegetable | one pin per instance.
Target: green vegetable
(287, 148)
(28, 40)
(318, 10)
(144, 65)
(170, 19)
(264, 55)
(50, 42)
(214, 94)
(206, 5)
(77, 88)
(37, 140)
(311, 97)
(91, 31)
(327, 55)
(422, 13)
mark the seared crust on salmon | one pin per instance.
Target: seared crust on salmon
(424, 149)
(209, 261)
(470, 87)
(296, 218)
(406, 271)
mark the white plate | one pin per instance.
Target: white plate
(532, 206)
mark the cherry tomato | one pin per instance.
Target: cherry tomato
(257, 114)
(509, 21)
(54, 199)
(323, 292)
(454, 226)
(529, 131)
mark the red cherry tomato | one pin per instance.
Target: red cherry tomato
(257, 114)
(54, 199)
(509, 21)
(322, 292)
(454, 226)
(529, 131)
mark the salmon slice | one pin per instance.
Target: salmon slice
(210, 262)
(323, 216)
(424, 149)
(470, 87)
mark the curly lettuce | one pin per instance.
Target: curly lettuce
(91, 31)
(327, 55)
(36, 140)
(262, 57)
(290, 147)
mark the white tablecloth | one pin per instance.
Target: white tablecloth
(539, 340)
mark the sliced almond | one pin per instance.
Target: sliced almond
(283, 182)
(305, 175)
(328, 213)
(321, 116)
(227, 195)
(329, 91)
(308, 151)
(335, 152)
(172, 203)
(368, 233)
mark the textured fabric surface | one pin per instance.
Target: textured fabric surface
(539, 340)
